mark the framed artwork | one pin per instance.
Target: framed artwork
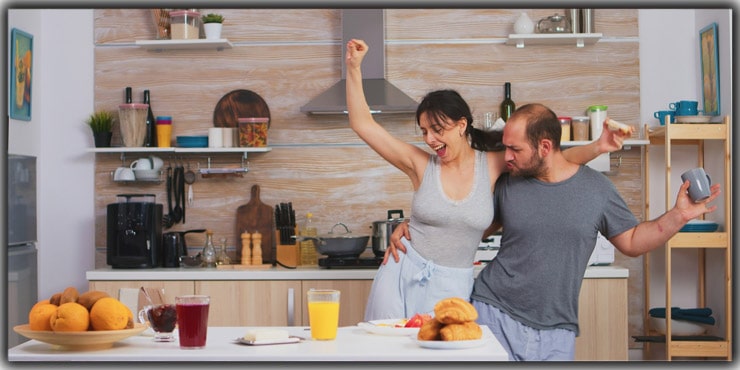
(710, 69)
(21, 54)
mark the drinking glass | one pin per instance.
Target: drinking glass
(323, 313)
(192, 320)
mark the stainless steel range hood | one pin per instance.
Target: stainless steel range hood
(381, 95)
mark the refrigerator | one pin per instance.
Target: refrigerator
(21, 249)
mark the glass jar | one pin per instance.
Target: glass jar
(564, 128)
(184, 25)
(209, 252)
(223, 257)
(579, 127)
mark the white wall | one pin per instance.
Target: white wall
(63, 90)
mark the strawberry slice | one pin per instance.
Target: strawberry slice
(418, 320)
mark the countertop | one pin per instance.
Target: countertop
(280, 273)
(352, 344)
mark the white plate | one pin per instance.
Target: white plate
(269, 341)
(693, 119)
(454, 344)
(387, 327)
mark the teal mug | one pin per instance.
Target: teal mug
(685, 107)
(662, 114)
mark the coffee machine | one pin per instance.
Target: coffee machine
(134, 232)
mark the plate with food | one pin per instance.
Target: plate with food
(79, 340)
(454, 344)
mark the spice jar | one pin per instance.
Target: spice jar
(184, 25)
(580, 126)
(564, 128)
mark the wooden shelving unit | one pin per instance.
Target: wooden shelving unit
(693, 134)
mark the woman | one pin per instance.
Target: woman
(452, 205)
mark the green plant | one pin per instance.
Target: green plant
(213, 18)
(101, 121)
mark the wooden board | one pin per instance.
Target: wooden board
(257, 216)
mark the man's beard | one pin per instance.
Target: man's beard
(534, 168)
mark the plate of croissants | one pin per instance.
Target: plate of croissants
(453, 327)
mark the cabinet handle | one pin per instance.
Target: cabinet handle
(291, 307)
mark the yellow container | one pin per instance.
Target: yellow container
(164, 131)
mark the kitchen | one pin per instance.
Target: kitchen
(636, 75)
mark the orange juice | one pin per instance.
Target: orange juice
(324, 319)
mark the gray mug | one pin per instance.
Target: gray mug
(699, 183)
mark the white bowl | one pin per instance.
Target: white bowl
(678, 327)
(146, 174)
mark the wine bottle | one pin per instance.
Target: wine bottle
(507, 105)
(128, 95)
(151, 125)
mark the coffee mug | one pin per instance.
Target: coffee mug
(142, 164)
(699, 183)
(662, 114)
(685, 107)
(124, 174)
(157, 163)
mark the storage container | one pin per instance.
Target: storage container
(253, 131)
(597, 114)
(579, 126)
(565, 123)
(184, 24)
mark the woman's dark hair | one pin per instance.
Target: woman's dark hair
(442, 104)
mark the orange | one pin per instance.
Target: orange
(110, 314)
(70, 316)
(43, 301)
(40, 315)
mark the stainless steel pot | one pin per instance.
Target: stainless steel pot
(339, 245)
(382, 231)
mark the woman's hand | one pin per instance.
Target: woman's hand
(356, 50)
(401, 230)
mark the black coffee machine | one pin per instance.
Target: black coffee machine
(134, 233)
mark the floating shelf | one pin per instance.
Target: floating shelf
(159, 45)
(123, 150)
(578, 39)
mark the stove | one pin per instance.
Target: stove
(350, 262)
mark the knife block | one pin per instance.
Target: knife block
(288, 254)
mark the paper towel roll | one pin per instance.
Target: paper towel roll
(215, 137)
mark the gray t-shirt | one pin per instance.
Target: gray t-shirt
(549, 233)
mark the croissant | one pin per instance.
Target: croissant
(465, 331)
(454, 311)
(430, 330)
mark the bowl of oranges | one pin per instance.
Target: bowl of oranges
(72, 321)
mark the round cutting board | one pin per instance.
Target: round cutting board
(239, 104)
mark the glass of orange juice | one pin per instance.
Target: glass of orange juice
(323, 313)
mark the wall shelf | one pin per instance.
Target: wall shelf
(578, 39)
(194, 44)
(124, 150)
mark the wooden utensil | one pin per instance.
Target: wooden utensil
(257, 216)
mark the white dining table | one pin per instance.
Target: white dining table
(353, 344)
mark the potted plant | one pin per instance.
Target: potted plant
(101, 124)
(212, 24)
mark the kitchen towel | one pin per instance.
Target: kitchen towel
(700, 315)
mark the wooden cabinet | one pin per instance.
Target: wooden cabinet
(602, 319)
(352, 300)
(253, 302)
(697, 135)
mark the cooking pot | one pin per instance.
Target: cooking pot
(382, 231)
(174, 246)
(339, 245)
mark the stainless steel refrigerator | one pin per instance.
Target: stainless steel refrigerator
(21, 259)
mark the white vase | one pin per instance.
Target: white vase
(524, 24)
(213, 30)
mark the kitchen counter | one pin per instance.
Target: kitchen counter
(279, 273)
(352, 344)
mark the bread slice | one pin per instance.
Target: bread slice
(618, 126)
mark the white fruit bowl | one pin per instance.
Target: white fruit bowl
(678, 327)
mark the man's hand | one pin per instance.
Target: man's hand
(401, 230)
(612, 140)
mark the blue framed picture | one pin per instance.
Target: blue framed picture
(21, 63)
(710, 69)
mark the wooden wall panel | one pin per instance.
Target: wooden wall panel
(288, 56)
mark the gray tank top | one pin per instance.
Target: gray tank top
(447, 231)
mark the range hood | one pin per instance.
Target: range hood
(381, 95)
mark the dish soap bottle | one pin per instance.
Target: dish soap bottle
(307, 247)
(223, 257)
(209, 252)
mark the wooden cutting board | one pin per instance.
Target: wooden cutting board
(256, 216)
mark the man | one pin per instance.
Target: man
(551, 211)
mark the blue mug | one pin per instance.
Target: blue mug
(685, 107)
(662, 114)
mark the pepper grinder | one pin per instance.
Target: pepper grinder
(256, 248)
(246, 251)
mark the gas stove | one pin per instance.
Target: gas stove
(350, 262)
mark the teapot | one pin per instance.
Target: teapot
(554, 24)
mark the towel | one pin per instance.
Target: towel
(700, 315)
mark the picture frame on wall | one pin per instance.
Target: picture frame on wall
(21, 68)
(710, 69)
